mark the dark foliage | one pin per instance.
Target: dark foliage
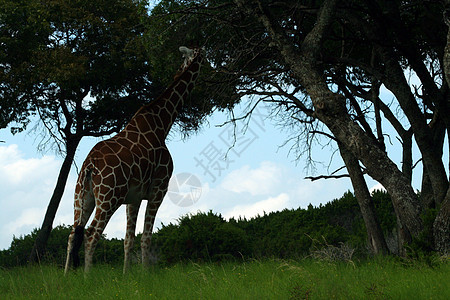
(108, 251)
(209, 237)
(204, 236)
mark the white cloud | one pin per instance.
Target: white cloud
(259, 181)
(7, 153)
(18, 171)
(26, 221)
(251, 210)
(26, 185)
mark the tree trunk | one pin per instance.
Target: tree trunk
(437, 128)
(374, 232)
(426, 191)
(44, 233)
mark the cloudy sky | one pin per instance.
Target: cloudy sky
(257, 176)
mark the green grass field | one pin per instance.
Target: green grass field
(382, 278)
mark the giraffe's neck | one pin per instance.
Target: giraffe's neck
(157, 117)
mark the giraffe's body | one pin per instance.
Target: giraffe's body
(132, 166)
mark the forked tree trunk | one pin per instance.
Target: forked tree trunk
(41, 240)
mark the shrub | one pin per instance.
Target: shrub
(204, 236)
(208, 236)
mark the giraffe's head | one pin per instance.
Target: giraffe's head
(188, 55)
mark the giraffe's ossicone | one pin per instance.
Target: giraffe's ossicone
(132, 166)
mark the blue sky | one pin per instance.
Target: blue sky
(258, 176)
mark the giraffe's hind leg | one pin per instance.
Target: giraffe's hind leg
(95, 230)
(83, 209)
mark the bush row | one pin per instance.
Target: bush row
(209, 237)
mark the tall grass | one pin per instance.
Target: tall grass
(383, 278)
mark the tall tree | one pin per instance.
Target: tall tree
(325, 62)
(85, 74)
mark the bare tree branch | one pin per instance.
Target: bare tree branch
(314, 178)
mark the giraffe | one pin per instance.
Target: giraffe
(131, 166)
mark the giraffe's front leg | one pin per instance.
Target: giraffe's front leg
(132, 212)
(159, 190)
(150, 213)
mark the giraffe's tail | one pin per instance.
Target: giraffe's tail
(85, 200)
(77, 241)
